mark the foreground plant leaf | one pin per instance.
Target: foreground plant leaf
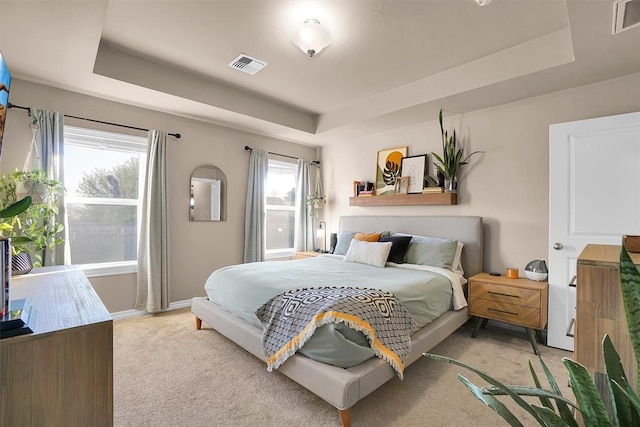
(491, 402)
(630, 284)
(520, 401)
(625, 414)
(589, 400)
(563, 408)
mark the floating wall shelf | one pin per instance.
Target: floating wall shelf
(406, 200)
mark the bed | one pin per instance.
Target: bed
(344, 387)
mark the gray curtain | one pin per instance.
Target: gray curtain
(153, 251)
(255, 208)
(49, 143)
(303, 234)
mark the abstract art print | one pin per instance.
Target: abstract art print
(388, 169)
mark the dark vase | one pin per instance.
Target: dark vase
(21, 263)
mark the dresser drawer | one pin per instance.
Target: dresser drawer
(506, 311)
(507, 294)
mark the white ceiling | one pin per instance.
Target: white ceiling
(391, 62)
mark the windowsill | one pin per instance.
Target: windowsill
(109, 269)
(279, 254)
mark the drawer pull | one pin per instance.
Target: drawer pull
(502, 311)
(503, 295)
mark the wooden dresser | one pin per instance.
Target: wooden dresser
(62, 373)
(600, 311)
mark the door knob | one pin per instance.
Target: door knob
(557, 246)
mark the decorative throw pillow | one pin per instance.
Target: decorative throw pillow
(367, 237)
(399, 247)
(371, 253)
(432, 251)
(344, 240)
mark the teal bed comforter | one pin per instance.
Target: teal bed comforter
(242, 289)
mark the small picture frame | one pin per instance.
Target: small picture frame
(415, 167)
(402, 185)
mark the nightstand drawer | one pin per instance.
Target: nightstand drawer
(505, 311)
(507, 294)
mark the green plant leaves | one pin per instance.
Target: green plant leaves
(630, 285)
(589, 400)
(491, 402)
(16, 209)
(624, 412)
(520, 401)
(452, 156)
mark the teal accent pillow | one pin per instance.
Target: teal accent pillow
(344, 240)
(432, 251)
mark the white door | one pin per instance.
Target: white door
(594, 197)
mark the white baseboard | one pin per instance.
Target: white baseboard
(126, 314)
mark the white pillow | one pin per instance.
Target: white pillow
(371, 253)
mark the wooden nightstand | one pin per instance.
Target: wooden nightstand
(307, 254)
(520, 302)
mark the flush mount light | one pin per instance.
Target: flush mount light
(483, 2)
(311, 37)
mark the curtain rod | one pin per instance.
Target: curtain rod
(176, 135)
(313, 162)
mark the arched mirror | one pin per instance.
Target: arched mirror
(208, 197)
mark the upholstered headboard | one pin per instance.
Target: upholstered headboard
(466, 229)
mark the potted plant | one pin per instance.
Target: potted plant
(315, 202)
(452, 158)
(36, 228)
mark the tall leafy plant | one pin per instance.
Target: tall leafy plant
(452, 158)
(555, 409)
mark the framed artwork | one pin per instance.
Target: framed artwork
(388, 169)
(402, 185)
(415, 167)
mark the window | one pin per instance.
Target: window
(281, 205)
(103, 178)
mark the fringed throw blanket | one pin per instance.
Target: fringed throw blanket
(291, 318)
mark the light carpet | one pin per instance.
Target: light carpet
(168, 374)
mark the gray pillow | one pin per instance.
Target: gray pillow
(432, 251)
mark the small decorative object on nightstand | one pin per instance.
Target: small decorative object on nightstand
(308, 254)
(519, 301)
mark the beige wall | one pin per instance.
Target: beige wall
(196, 248)
(507, 186)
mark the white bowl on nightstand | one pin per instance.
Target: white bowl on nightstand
(537, 276)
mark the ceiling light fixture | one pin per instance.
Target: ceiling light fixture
(483, 2)
(311, 37)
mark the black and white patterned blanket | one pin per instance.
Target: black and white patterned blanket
(291, 318)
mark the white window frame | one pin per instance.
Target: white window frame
(111, 141)
(284, 252)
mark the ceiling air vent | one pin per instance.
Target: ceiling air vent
(247, 64)
(626, 15)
